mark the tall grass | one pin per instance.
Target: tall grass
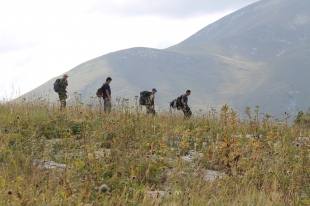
(53, 157)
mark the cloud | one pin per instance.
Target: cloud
(43, 39)
(173, 8)
(9, 43)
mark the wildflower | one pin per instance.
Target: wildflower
(147, 156)
(10, 192)
(133, 177)
(104, 188)
(177, 181)
(286, 153)
(276, 153)
(297, 145)
(17, 117)
(178, 154)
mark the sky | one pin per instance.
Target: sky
(41, 39)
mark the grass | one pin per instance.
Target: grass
(81, 156)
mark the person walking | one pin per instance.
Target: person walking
(107, 95)
(184, 103)
(150, 103)
(63, 83)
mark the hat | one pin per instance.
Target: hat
(154, 90)
(65, 75)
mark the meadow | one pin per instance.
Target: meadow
(81, 156)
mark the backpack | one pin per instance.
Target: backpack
(179, 102)
(99, 92)
(176, 103)
(144, 96)
(56, 85)
(173, 104)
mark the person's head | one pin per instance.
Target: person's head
(188, 92)
(65, 76)
(154, 90)
(109, 80)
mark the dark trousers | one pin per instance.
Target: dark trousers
(187, 112)
(107, 105)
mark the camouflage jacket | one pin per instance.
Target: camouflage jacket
(150, 100)
(62, 86)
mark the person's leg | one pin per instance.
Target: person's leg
(107, 105)
(62, 99)
(184, 111)
(153, 111)
(148, 109)
(187, 113)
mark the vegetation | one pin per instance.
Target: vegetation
(303, 118)
(83, 157)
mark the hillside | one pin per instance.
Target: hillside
(257, 55)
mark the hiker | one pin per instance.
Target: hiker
(150, 104)
(107, 95)
(63, 83)
(147, 99)
(186, 110)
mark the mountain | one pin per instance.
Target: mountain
(258, 55)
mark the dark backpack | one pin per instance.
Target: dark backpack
(144, 96)
(56, 85)
(99, 92)
(179, 101)
(176, 103)
(173, 104)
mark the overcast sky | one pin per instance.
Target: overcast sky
(41, 39)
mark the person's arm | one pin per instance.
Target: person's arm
(152, 97)
(183, 102)
(108, 94)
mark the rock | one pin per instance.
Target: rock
(210, 175)
(47, 164)
(156, 193)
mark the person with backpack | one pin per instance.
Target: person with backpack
(106, 95)
(62, 92)
(184, 100)
(147, 99)
(150, 103)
